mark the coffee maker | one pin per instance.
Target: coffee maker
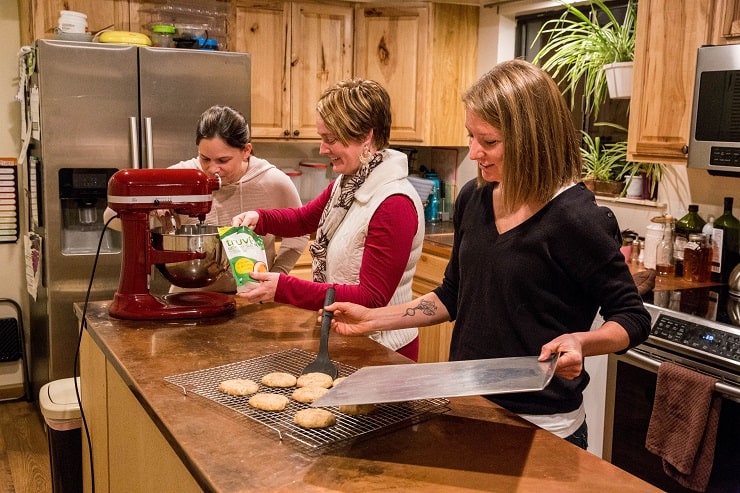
(133, 194)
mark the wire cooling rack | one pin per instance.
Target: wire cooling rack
(204, 383)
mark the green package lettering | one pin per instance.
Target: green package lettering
(246, 252)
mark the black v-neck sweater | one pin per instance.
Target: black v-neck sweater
(511, 293)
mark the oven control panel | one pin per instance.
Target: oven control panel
(711, 340)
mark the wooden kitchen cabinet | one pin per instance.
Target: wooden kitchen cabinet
(434, 340)
(129, 452)
(668, 35)
(729, 27)
(424, 54)
(38, 18)
(298, 49)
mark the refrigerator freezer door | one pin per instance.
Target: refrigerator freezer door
(177, 85)
(88, 92)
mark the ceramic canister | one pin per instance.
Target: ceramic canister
(653, 235)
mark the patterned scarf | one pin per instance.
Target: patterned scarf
(334, 213)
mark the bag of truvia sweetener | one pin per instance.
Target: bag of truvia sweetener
(246, 252)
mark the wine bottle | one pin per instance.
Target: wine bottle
(725, 244)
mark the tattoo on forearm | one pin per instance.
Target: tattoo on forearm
(426, 307)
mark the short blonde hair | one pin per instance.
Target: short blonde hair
(352, 108)
(541, 147)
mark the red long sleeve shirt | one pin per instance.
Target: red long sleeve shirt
(387, 248)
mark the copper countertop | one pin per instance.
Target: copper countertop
(475, 446)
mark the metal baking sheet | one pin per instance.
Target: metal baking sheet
(204, 384)
(401, 383)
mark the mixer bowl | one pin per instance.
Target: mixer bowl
(192, 238)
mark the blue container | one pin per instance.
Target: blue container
(431, 210)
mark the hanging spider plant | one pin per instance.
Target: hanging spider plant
(578, 47)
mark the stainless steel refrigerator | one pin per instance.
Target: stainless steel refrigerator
(92, 109)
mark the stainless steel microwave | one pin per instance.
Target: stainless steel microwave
(714, 142)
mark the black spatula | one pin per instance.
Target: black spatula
(322, 363)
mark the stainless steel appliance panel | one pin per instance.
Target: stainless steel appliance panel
(714, 139)
(690, 328)
(177, 85)
(91, 103)
(88, 92)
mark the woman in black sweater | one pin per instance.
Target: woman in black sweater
(534, 257)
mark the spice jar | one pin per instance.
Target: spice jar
(696, 258)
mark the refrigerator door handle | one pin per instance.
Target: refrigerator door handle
(149, 143)
(134, 134)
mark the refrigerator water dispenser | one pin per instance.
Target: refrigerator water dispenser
(83, 196)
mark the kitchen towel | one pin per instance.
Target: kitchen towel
(683, 424)
(644, 280)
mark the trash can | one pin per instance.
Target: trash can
(61, 412)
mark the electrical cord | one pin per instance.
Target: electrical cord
(83, 326)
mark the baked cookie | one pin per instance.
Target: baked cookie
(315, 379)
(279, 379)
(308, 394)
(268, 402)
(238, 386)
(314, 418)
(338, 381)
(357, 409)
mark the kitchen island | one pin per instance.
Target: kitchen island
(147, 435)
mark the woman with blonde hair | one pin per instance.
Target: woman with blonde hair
(534, 257)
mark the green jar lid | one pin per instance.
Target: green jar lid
(163, 29)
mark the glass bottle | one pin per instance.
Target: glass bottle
(708, 227)
(696, 258)
(691, 223)
(664, 261)
(725, 244)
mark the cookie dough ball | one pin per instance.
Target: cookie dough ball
(279, 379)
(357, 409)
(315, 379)
(238, 386)
(314, 418)
(308, 394)
(268, 402)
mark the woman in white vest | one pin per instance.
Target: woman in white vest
(369, 222)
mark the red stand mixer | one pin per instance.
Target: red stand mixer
(133, 194)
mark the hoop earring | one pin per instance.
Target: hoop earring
(366, 155)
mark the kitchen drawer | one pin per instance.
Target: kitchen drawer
(431, 268)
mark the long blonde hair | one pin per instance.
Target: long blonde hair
(541, 148)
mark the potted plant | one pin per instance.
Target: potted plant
(578, 47)
(651, 174)
(603, 165)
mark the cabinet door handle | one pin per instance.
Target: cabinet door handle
(685, 149)
(286, 132)
(296, 133)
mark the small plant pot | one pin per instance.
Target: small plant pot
(619, 79)
(635, 187)
(607, 188)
